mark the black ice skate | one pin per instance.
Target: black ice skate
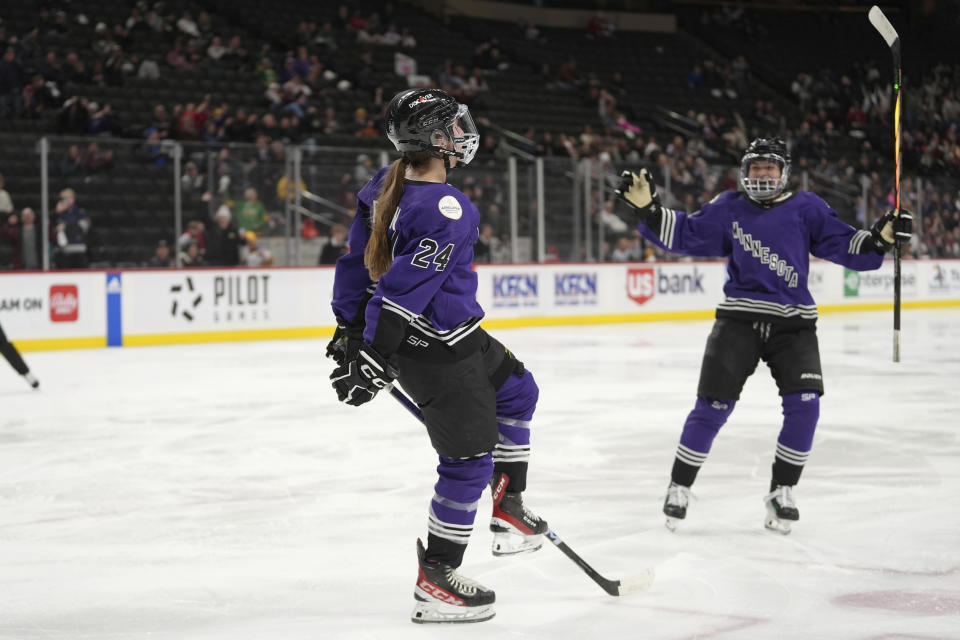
(515, 528)
(675, 505)
(781, 509)
(443, 595)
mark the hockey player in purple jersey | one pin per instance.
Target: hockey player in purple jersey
(768, 314)
(405, 301)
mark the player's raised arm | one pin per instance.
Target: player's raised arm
(676, 231)
(861, 250)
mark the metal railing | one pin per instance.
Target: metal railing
(533, 209)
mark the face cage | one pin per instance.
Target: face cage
(468, 142)
(763, 188)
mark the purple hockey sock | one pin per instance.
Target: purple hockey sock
(454, 507)
(701, 427)
(801, 411)
(516, 402)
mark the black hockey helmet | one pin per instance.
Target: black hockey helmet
(419, 119)
(771, 150)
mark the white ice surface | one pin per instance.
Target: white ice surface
(220, 492)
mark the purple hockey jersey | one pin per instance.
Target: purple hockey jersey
(431, 285)
(768, 249)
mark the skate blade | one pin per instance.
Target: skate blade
(507, 543)
(672, 523)
(433, 612)
(777, 525)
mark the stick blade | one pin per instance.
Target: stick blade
(881, 24)
(637, 583)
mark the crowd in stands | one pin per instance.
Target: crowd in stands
(309, 94)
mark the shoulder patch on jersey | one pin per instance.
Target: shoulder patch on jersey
(450, 207)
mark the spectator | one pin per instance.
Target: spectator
(192, 181)
(611, 221)
(301, 64)
(161, 256)
(336, 245)
(156, 22)
(364, 170)
(160, 121)
(193, 233)
(24, 237)
(39, 97)
(152, 150)
(177, 58)
(253, 255)
(190, 256)
(71, 229)
(331, 123)
(72, 161)
(286, 189)
(75, 72)
(191, 120)
(266, 73)
(236, 54)
(51, 69)
(369, 130)
(101, 120)
(96, 160)
(251, 214)
(73, 117)
(6, 204)
(11, 82)
(149, 70)
(625, 249)
(483, 249)
(187, 25)
(223, 240)
(494, 217)
(216, 50)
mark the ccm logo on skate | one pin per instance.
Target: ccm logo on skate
(64, 303)
(439, 593)
(498, 490)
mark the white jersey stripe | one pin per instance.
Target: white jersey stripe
(513, 422)
(453, 504)
(667, 226)
(807, 312)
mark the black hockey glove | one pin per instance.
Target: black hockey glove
(639, 192)
(891, 228)
(358, 381)
(345, 343)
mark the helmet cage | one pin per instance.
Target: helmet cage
(428, 129)
(764, 188)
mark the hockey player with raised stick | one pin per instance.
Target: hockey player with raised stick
(768, 314)
(406, 307)
(16, 360)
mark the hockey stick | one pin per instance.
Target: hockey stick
(640, 582)
(883, 26)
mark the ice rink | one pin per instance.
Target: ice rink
(220, 492)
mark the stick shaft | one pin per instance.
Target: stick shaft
(883, 26)
(610, 586)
